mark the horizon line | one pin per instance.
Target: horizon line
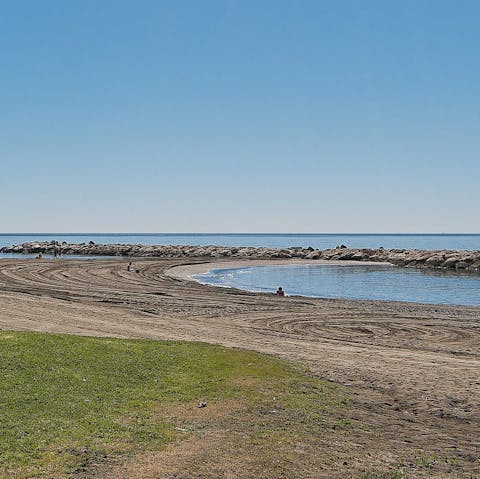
(118, 233)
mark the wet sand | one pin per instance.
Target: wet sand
(412, 371)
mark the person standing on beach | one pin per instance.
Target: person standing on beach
(280, 292)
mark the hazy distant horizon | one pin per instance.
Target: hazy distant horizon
(234, 233)
(430, 241)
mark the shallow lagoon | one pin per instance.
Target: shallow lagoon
(367, 282)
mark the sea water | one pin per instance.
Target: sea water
(320, 241)
(362, 281)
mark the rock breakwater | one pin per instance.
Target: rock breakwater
(440, 259)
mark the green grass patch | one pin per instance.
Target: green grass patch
(66, 400)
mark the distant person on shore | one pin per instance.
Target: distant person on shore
(129, 267)
(280, 292)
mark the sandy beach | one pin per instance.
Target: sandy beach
(411, 370)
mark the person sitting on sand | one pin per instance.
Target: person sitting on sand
(280, 292)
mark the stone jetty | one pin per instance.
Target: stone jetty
(440, 259)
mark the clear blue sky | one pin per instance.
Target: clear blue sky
(240, 116)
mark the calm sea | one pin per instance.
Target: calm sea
(370, 282)
(322, 241)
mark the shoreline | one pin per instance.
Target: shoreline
(186, 272)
